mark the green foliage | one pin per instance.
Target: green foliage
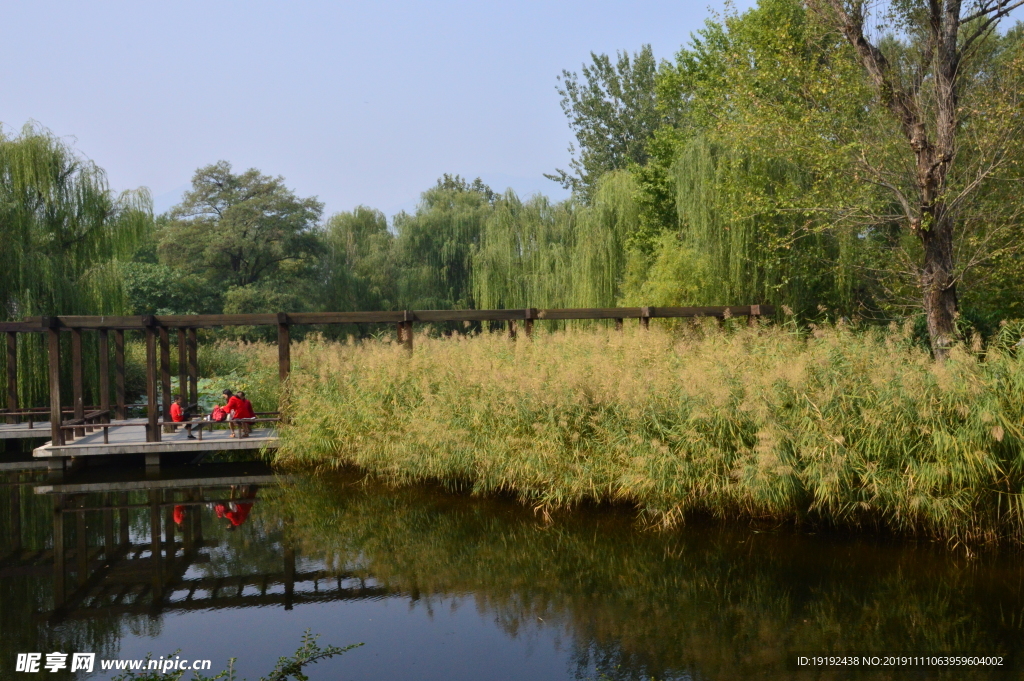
(612, 112)
(359, 270)
(62, 230)
(63, 237)
(535, 254)
(676, 275)
(154, 288)
(434, 246)
(245, 231)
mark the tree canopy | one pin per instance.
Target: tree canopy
(246, 236)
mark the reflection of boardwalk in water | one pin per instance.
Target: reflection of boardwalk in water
(109, 572)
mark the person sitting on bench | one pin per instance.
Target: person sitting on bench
(244, 413)
(180, 415)
(232, 407)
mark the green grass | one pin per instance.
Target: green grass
(844, 427)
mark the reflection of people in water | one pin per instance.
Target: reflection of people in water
(236, 511)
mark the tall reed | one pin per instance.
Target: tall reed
(835, 425)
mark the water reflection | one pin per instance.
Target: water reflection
(97, 559)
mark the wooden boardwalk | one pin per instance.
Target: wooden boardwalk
(131, 439)
(23, 431)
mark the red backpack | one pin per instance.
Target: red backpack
(218, 414)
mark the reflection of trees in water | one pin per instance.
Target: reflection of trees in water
(698, 603)
(24, 596)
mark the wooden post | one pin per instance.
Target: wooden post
(531, 314)
(197, 519)
(407, 339)
(618, 323)
(104, 350)
(108, 528)
(154, 546)
(123, 536)
(53, 349)
(12, 374)
(59, 589)
(289, 576)
(193, 368)
(284, 347)
(16, 519)
(153, 430)
(755, 312)
(82, 546)
(645, 318)
(165, 375)
(512, 329)
(170, 550)
(77, 379)
(186, 526)
(121, 412)
(183, 366)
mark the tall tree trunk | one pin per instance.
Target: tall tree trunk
(938, 286)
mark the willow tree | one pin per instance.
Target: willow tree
(434, 246)
(734, 212)
(63, 233)
(538, 254)
(525, 254)
(359, 264)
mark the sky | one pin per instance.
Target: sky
(353, 102)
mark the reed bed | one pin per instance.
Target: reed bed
(833, 425)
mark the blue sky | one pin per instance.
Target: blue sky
(354, 102)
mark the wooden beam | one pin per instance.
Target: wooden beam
(284, 347)
(165, 373)
(119, 374)
(378, 317)
(12, 374)
(23, 327)
(153, 431)
(53, 351)
(193, 367)
(103, 345)
(183, 366)
(77, 379)
(589, 313)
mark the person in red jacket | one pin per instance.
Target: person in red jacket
(179, 415)
(245, 412)
(232, 407)
(237, 510)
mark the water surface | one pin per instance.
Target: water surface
(229, 560)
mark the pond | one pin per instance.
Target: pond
(230, 560)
